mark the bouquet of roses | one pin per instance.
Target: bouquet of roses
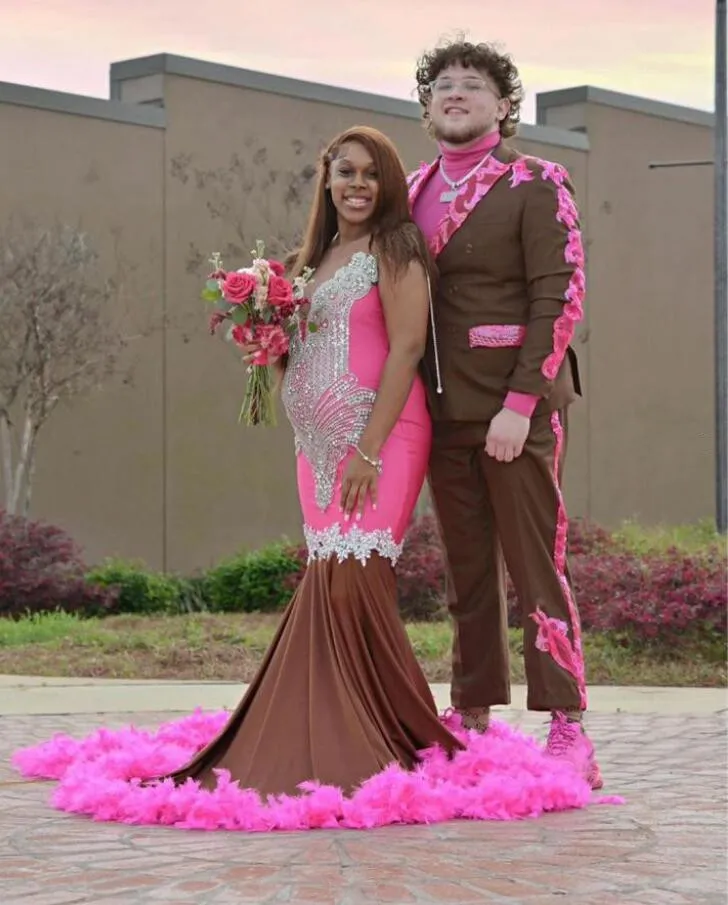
(263, 307)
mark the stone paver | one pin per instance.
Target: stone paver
(666, 846)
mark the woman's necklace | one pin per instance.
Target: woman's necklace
(456, 185)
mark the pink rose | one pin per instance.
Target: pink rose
(276, 268)
(238, 287)
(280, 291)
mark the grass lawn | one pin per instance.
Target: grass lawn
(699, 537)
(229, 647)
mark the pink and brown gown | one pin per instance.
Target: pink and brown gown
(340, 694)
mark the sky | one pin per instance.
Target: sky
(661, 49)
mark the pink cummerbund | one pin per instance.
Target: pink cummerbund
(497, 336)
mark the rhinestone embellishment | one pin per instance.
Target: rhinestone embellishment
(327, 407)
(332, 541)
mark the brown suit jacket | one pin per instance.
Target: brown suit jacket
(510, 290)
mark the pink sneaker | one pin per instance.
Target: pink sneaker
(568, 740)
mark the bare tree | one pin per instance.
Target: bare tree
(59, 339)
(253, 197)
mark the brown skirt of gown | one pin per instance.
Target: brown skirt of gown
(339, 696)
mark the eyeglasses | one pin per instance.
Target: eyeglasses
(467, 86)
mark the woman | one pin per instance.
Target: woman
(340, 694)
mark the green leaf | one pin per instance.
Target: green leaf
(209, 296)
(240, 315)
(212, 285)
(312, 327)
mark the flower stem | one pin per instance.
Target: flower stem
(259, 406)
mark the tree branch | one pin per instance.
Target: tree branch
(59, 337)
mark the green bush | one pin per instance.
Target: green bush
(260, 581)
(139, 590)
(193, 594)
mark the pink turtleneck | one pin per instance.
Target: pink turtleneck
(429, 211)
(457, 162)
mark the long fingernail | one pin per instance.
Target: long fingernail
(358, 516)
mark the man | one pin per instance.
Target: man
(504, 232)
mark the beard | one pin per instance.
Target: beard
(461, 135)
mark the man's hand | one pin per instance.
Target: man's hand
(507, 435)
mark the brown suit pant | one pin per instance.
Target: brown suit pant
(495, 515)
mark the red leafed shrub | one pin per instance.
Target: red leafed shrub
(41, 570)
(658, 597)
(663, 597)
(586, 538)
(421, 573)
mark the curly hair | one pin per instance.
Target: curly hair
(499, 67)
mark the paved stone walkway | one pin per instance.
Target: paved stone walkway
(666, 846)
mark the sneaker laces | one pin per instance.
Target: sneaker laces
(562, 735)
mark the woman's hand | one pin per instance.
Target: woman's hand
(250, 350)
(360, 480)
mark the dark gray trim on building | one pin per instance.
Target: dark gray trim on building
(80, 105)
(548, 135)
(170, 64)
(587, 94)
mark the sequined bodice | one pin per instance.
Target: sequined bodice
(327, 406)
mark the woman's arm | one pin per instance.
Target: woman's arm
(405, 303)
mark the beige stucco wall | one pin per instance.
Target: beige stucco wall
(650, 303)
(100, 466)
(161, 470)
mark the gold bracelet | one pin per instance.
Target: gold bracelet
(375, 463)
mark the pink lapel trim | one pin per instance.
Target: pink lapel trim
(464, 204)
(416, 180)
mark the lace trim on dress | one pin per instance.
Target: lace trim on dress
(333, 541)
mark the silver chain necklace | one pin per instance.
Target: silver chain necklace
(457, 185)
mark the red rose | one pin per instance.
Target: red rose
(276, 268)
(280, 291)
(238, 287)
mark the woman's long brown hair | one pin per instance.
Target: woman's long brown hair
(395, 237)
